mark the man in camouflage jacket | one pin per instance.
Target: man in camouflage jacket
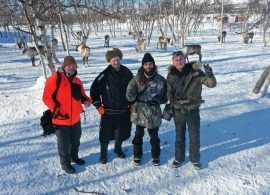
(184, 88)
(147, 90)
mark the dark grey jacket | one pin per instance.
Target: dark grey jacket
(184, 89)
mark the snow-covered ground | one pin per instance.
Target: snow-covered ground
(235, 128)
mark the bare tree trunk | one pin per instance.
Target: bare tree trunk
(62, 38)
(33, 35)
(151, 31)
(65, 40)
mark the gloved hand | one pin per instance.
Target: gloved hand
(56, 112)
(197, 65)
(208, 70)
(101, 110)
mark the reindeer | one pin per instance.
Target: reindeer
(192, 49)
(247, 36)
(162, 40)
(32, 52)
(222, 36)
(22, 44)
(140, 45)
(106, 40)
(84, 51)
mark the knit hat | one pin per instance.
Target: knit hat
(113, 53)
(68, 60)
(148, 58)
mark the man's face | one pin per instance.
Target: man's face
(179, 62)
(148, 67)
(115, 62)
(71, 68)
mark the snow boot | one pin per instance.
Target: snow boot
(136, 161)
(176, 163)
(156, 161)
(103, 153)
(68, 169)
(197, 166)
(118, 150)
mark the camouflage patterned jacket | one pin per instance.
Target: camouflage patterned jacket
(184, 89)
(147, 111)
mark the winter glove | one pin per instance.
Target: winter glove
(56, 112)
(101, 110)
(197, 65)
(208, 70)
(58, 115)
(167, 112)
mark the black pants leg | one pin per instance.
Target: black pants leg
(63, 143)
(138, 141)
(193, 121)
(180, 138)
(155, 142)
(75, 135)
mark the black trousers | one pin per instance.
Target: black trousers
(68, 141)
(138, 142)
(192, 119)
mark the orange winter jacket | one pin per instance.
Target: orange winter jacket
(70, 95)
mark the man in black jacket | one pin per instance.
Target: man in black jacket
(108, 92)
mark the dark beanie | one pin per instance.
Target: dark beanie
(69, 60)
(148, 58)
(113, 53)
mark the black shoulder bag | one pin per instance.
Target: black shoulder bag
(46, 118)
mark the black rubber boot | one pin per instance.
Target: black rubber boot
(118, 149)
(103, 153)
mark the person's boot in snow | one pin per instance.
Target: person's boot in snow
(176, 163)
(136, 161)
(197, 165)
(118, 149)
(68, 169)
(103, 153)
(156, 161)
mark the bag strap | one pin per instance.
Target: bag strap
(141, 92)
(58, 81)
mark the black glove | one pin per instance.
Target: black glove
(168, 112)
(208, 70)
(58, 115)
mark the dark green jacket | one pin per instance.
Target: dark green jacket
(184, 88)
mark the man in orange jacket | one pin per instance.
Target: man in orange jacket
(66, 111)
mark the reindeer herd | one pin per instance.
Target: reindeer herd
(84, 50)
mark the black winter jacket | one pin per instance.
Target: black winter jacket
(109, 88)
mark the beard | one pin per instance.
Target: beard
(149, 72)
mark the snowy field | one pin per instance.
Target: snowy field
(235, 128)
